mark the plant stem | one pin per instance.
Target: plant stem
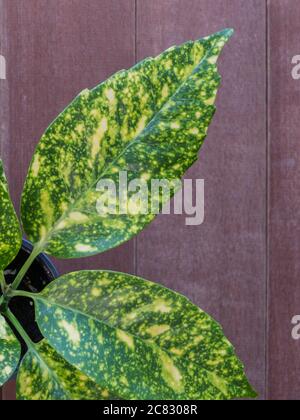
(21, 293)
(2, 282)
(35, 253)
(10, 316)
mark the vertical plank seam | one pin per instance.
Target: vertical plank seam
(267, 319)
(135, 243)
(4, 89)
(3, 106)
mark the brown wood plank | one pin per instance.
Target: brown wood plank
(284, 216)
(56, 49)
(4, 114)
(9, 391)
(4, 100)
(220, 265)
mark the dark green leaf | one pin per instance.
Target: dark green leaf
(10, 350)
(45, 375)
(10, 233)
(138, 339)
(149, 121)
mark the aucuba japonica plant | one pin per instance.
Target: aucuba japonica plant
(110, 335)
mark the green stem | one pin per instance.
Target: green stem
(2, 282)
(10, 316)
(22, 293)
(35, 253)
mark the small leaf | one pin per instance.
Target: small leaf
(10, 351)
(45, 375)
(149, 121)
(10, 233)
(138, 339)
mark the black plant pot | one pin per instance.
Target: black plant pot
(41, 273)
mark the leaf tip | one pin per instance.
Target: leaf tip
(229, 32)
(250, 393)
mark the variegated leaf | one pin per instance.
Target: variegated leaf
(10, 233)
(138, 339)
(45, 375)
(10, 351)
(149, 121)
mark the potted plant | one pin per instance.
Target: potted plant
(102, 334)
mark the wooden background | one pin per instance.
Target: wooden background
(243, 264)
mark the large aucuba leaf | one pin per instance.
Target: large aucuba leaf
(149, 121)
(10, 233)
(138, 339)
(10, 351)
(45, 375)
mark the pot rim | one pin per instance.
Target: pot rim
(42, 258)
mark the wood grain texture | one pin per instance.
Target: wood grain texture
(8, 392)
(4, 95)
(220, 265)
(284, 215)
(56, 49)
(4, 126)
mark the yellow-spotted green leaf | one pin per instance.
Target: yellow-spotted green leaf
(10, 233)
(45, 375)
(149, 121)
(138, 339)
(10, 350)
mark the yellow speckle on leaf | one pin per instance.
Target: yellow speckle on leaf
(61, 225)
(218, 382)
(96, 292)
(194, 131)
(161, 306)
(175, 125)
(78, 217)
(156, 330)
(7, 370)
(213, 59)
(141, 125)
(127, 339)
(124, 380)
(145, 176)
(80, 128)
(85, 93)
(171, 373)
(96, 113)
(4, 248)
(36, 165)
(111, 96)
(168, 64)
(165, 91)
(103, 125)
(198, 339)
(47, 207)
(105, 393)
(176, 351)
(210, 101)
(72, 331)
(98, 136)
(85, 248)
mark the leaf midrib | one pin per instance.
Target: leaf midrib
(36, 353)
(147, 342)
(74, 205)
(41, 358)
